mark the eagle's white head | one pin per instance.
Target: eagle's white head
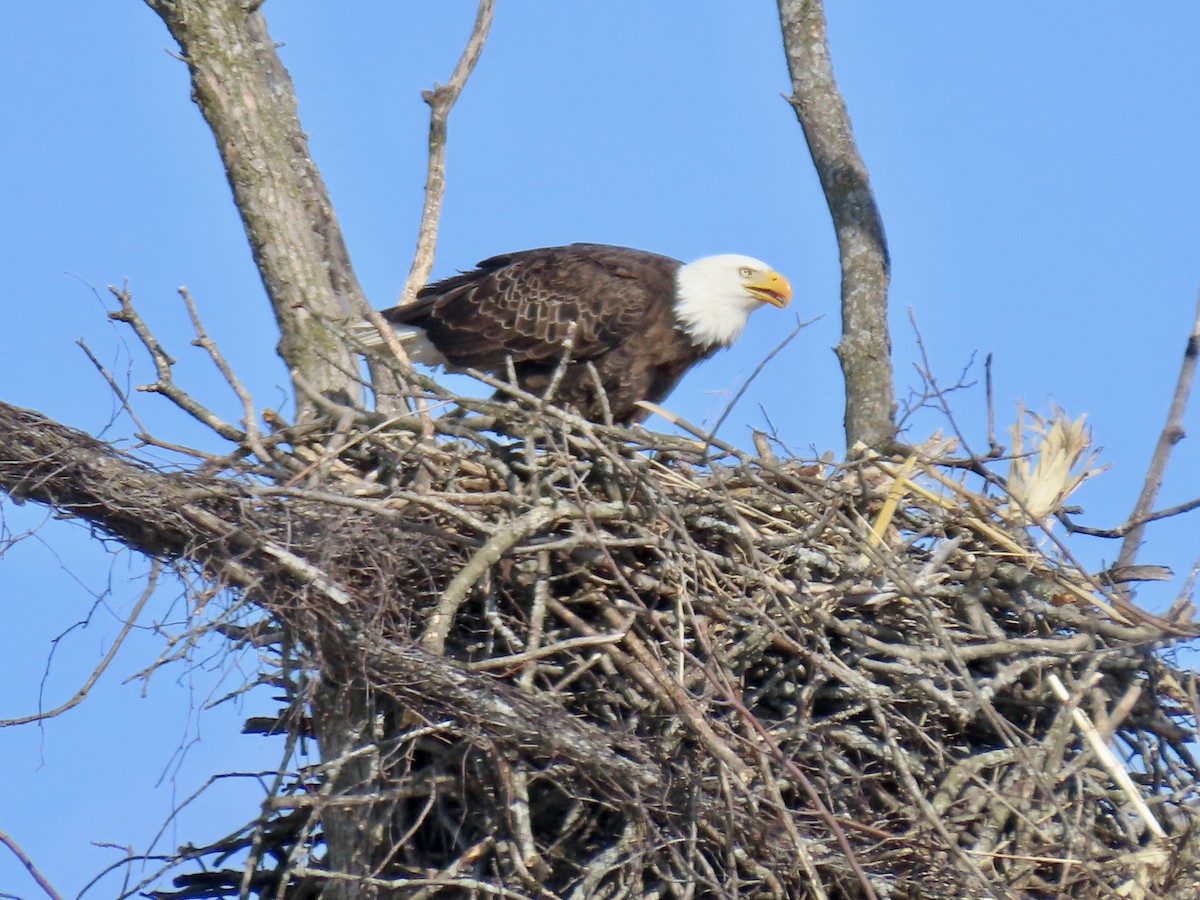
(716, 294)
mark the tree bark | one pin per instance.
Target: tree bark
(865, 346)
(247, 98)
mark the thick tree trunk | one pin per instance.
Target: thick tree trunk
(246, 96)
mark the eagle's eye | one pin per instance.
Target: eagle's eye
(745, 271)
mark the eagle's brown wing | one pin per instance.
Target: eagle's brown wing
(522, 304)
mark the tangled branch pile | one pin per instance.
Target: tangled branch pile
(603, 662)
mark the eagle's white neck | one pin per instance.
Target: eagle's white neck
(711, 303)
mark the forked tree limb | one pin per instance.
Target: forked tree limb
(441, 99)
(247, 98)
(1172, 433)
(865, 346)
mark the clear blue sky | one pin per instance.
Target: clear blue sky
(1036, 164)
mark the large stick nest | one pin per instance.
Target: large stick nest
(743, 676)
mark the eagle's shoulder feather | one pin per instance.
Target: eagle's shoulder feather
(523, 304)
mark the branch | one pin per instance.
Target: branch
(762, 364)
(1128, 525)
(246, 96)
(201, 519)
(253, 439)
(434, 638)
(77, 697)
(441, 100)
(865, 346)
(512, 718)
(1172, 433)
(29, 866)
(164, 382)
(1107, 758)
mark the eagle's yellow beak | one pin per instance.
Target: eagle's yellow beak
(772, 288)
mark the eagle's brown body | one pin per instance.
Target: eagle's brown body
(521, 305)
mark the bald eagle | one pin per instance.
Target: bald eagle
(639, 318)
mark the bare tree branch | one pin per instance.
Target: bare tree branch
(77, 697)
(865, 346)
(209, 521)
(1128, 525)
(29, 866)
(1172, 433)
(441, 100)
(246, 96)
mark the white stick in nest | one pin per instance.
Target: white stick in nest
(1107, 757)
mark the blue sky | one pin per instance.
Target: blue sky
(1036, 165)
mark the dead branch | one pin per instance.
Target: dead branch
(865, 346)
(441, 100)
(762, 364)
(252, 439)
(1129, 525)
(164, 383)
(32, 869)
(247, 98)
(211, 522)
(502, 540)
(1172, 433)
(85, 688)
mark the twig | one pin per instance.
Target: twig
(535, 402)
(606, 415)
(299, 568)
(1105, 755)
(995, 449)
(163, 362)
(441, 880)
(639, 663)
(29, 866)
(519, 659)
(434, 638)
(253, 440)
(390, 507)
(707, 438)
(1170, 435)
(762, 364)
(112, 383)
(126, 627)
(564, 361)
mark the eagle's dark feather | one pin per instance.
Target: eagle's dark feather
(521, 305)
